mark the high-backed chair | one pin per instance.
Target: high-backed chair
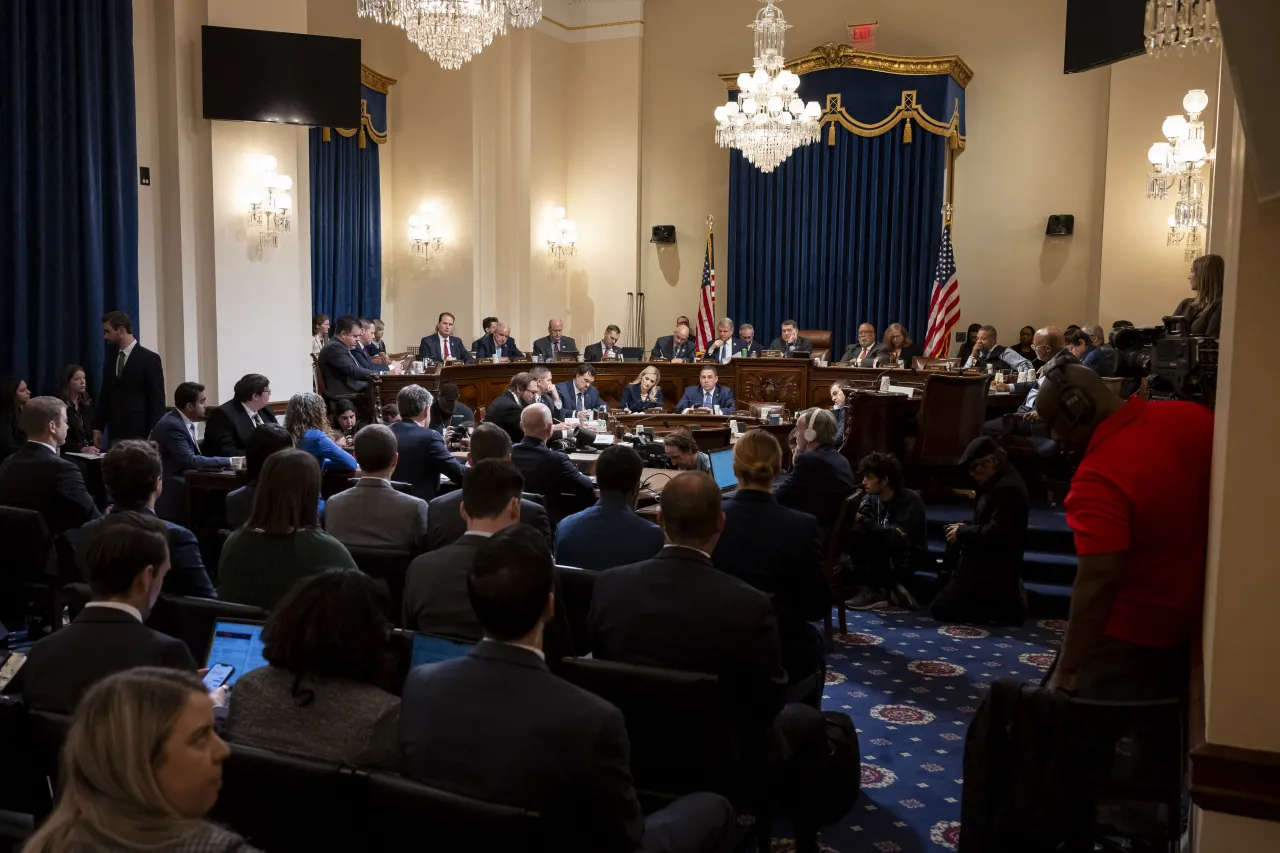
(576, 587)
(711, 439)
(834, 550)
(869, 424)
(400, 813)
(821, 340)
(191, 619)
(31, 567)
(388, 566)
(24, 786)
(951, 416)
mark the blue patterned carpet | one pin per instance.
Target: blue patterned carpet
(911, 686)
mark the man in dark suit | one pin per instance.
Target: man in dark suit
(989, 351)
(677, 347)
(447, 411)
(126, 561)
(132, 397)
(175, 435)
(1082, 348)
(708, 393)
(341, 371)
(499, 343)
(132, 473)
(607, 348)
(505, 411)
(724, 347)
(489, 324)
(555, 342)
(445, 524)
(1109, 358)
(578, 395)
(790, 341)
(443, 344)
(423, 456)
(547, 472)
(498, 725)
(226, 432)
(610, 533)
(364, 343)
(867, 349)
(746, 340)
(820, 477)
(37, 478)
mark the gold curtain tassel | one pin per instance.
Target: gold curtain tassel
(831, 134)
(906, 133)
(361, 137)
(325, 135)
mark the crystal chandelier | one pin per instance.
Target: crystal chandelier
(452, 31)
(768, 120)
(1178, 160)
(1179, 24)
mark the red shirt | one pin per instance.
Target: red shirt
(1143, 488)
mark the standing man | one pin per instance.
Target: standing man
(790, 341)
(867, 349)
(607, 348)
(708, 394)
(550, 347)
(422, 455)
(499, 343)
(226, 433)
(723, 348)
(338, 365)
(132, 398)
(747, 340)
(444, 344)
(505, 411)
(676, 347)
(175, 435)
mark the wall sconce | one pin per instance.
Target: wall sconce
(563, 241)
(424, 244)
(271, 203)
(1179, 160)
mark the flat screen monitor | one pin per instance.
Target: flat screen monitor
(289, 78)
(237, 644)
(722, 468)
(1100, 32)
(432, 648)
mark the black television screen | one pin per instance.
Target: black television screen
(256, 75)
(1100, 32)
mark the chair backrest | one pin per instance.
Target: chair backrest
(1115, 383)
(48, 733)
(820, 339)
(837, 538)
(24, 784)
(951, 416)
(27, 541)
(577, 586)
(711, 439)
(401, 812)
(191, 619)
(390, 567)
(869, 423)
(318, 375)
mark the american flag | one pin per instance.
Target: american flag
(706, 303)
(944, 304)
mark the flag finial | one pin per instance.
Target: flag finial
(711, 221)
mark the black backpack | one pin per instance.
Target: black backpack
(841, 775)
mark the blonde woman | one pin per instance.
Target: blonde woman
(319, 333)
(142, 767)
(644, 393)
(1204, 310)
(307, 420)
(377, 346)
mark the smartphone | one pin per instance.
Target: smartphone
(10, 668)
(218, 675)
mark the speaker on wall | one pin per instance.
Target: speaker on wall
(1061, 225)
(663, 234)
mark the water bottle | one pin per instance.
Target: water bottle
(884, 384)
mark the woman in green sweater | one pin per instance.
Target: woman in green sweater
(282, 540)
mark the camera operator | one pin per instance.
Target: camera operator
(1204, 310)
(1139, 507)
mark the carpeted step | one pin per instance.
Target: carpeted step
(1047, 529)
(1037, 566)
(1044, 600)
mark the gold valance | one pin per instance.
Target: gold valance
(832, 55)
(375, 81)
(834, 113)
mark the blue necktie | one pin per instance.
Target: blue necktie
(580, 407)
(706, 399)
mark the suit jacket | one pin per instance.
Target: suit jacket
(595, 352)
(505, 412)
(423, 458)
(606, 535)
(736, 346)
(801, 345)
(557, 749)
(816, 484)
(226, 432)
(1001, 357)
(341, 371)
(445, 524)
(376, 348)
(37, 478)
(178, 453)
(542, 346)
(552, 475)
(853, 350)
(186, 576)
(1095, 360)
(633, 402)
(678, 611)
(486, 347)
(373, 514)
(79, 428)
(364, 358)
(568, 398)
(131, 403)
(429, 347)
(664, 347)
(721, 396)
(435, 591)
(461, 415)
(100, 642)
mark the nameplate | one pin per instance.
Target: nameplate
(771, 353)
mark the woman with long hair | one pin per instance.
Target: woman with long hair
(14, 394)
(377, 346)
(644, 393)
(899, 344)
(345, 424)
(73, 390)
(319, 333)
(1204, 310)
(307, 420)
(142, 766)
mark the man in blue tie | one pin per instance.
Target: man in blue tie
(175, 435)
(579, 395)
(722, 349)
(707, 394)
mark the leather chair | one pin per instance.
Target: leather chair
(1115, 383)
(711, 439)
(403, 815)
(870, 423)
(48, 733)
(576, 587)
(24, 784)
(821, 340)
(191, 619)
(387, 566)
(834, 550)
(951, 416)
(32, 567)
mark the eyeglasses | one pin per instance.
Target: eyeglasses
(974, 466)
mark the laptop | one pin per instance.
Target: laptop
(722, 469)
(435, 648)
(238, 644)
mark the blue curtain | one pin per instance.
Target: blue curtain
(68, 183)
(848, 233)
(346, 215)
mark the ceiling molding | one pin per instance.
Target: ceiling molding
(576, 21)
(833, 55)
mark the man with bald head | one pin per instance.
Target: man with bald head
(1139, 508)
(499, 343)
(546, 471)
(676, 347)
(550, 347)
(1110, 358)
(1048, 344)
(867, 349)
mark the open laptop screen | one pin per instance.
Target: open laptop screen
(432, 648)
(722, 468)
(238, 644)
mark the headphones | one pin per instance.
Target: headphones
(809, 433)
(1077, 406)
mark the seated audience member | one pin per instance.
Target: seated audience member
(308, 422)
(1025, 345)
(390, 414)
(1110, 358)
(989, 352)
(1204, 310)
(36, 477)
(838, 409)
(498, 725)
(175, 435)
(446, 411)
(610, 533)
(505, 411)
(777, 551)
(867, 350)
(73, 391)
(677, 347)
(365, 350)
(1048, 343)
(683, 452)
(435, 590)
(282, 540)
(345, 423)
(262, 442)
(377, 346)
(966, 348)
(1139, 508)
(607, 348)
(125, 564)
(984, 557)
(372, 514)
(489, 324)
(891, 541)
(226, 433)
(790, 341)
(131, 472)
(142, 765)
(898, 345)
(341, 370)
(423, 455)
(707, 394)
(445, 523)
(548, 472)
(747, 337)
(644, 393)
(556, 342)
(319, 333)
(327, 649)
(444, 345)
(499, 343)
(578, 395)
(1086, 353)
(14, 395)
(820, 477)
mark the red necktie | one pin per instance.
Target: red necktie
(446, 347)
(864, 354)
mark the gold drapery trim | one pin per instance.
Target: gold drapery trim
(906, 111)
(375, 81)
(832, 55)
(366, 129)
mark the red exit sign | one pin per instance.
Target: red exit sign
(863, 36)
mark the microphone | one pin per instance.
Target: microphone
(666, 424)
